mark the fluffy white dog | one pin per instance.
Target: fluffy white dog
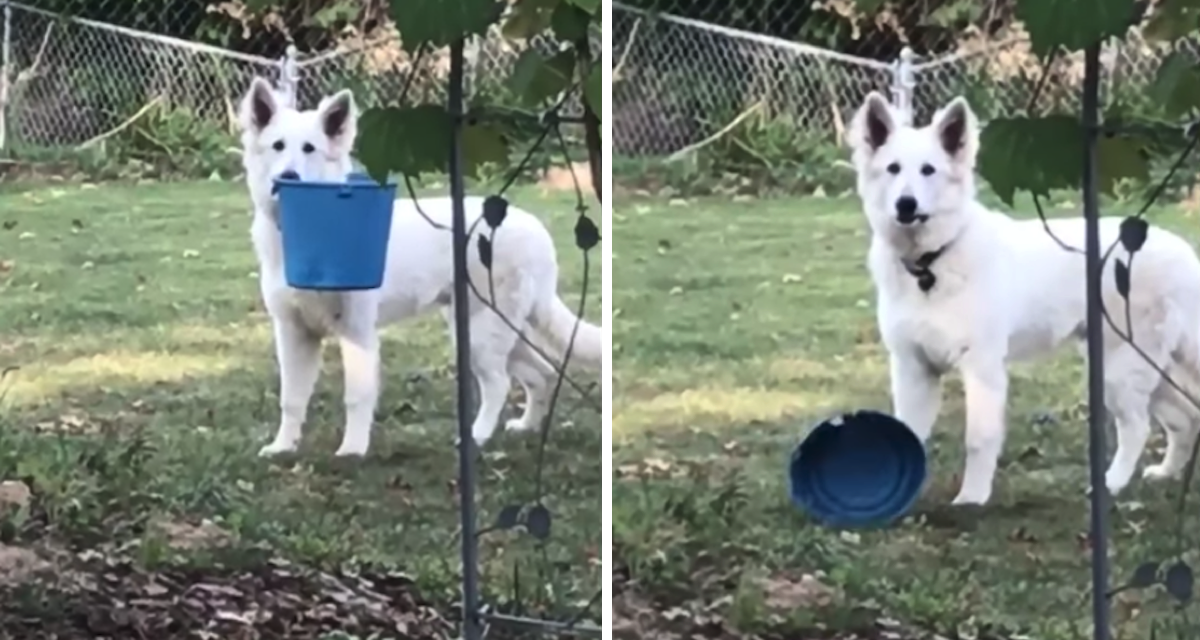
(961, 287)
(279, 140)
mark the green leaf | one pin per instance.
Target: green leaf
(482, 143)
(441, 22)
(1036, 155)
(1040, 155)
(1177, 85)
(587, 234)
(593, 90)
(1073, 24)
(408, 140)
(591, 6)
(1120, 274)
(569, 22)
(528, 18)
(536, 78)
(537, 521)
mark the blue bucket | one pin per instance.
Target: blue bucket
(335, 234)
(860, 469)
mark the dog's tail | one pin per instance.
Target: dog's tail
(557, 322)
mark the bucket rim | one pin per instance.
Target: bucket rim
(354, 180)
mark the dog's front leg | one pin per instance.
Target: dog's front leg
(359, 343)
(985, 382)
(298, 352)
(916, 393)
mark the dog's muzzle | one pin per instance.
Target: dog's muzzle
(906, 211)
(286, 175)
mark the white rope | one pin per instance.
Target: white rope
(780, 43)
(956, 57)
(195, 47)
(337, 53)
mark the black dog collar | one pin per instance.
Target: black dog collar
(919, 268)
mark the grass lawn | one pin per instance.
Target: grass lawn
(145, 384)
(738, 325)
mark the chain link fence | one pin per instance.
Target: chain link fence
(676, 81)
(71, 81)
(680, 82)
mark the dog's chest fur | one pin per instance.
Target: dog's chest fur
(938, 324)
(935, 328)
(321, 312)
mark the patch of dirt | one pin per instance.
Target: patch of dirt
(18, 564)
(1192, 200)
(14, 494)
(786, 594)
(182, 535)
(638, 616)
(559, 178)
(13, 171)
(116, 600)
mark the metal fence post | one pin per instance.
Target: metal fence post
(289, 75)
(904, 82)
(5, 73)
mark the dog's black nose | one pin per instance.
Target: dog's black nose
(906, 209)
(292, 175)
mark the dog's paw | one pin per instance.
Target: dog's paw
(517, 424)
(965, 497)
(481, 434)
(473, 446)
(351, 450)
(1116, 482)
(1158, 472)
(276, 448)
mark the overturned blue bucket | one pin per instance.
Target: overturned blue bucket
(859, 469)
(335, 234)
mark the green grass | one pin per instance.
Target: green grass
(738, 325)
(147, 383)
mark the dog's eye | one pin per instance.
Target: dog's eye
(927, 170)
(278, 146)
(893, 168)
(308, 148)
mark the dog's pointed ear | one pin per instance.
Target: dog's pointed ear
(957, 128)
(339, 117)
(873, 124)
(259, 106)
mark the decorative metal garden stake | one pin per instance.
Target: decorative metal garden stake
(1097, 446)
(462, 341)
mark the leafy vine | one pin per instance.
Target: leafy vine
(412, 139)
(1040, 153)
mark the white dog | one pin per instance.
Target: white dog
(278, 140)
(959, 286)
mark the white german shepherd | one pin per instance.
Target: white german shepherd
(962, 287)
(278, 140)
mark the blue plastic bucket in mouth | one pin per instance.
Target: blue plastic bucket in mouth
(335, 234)
(859, 469)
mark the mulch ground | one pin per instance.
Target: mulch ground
(278, 600)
